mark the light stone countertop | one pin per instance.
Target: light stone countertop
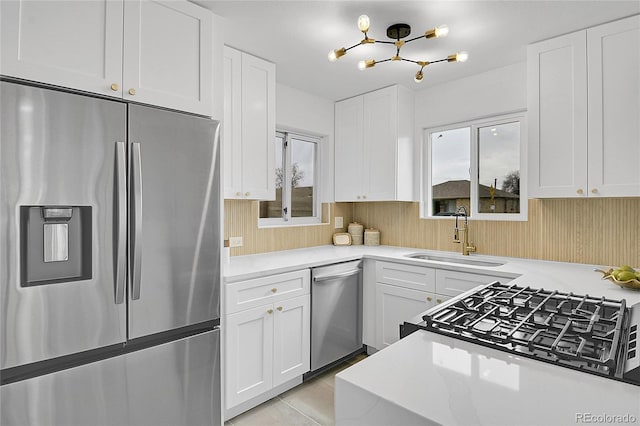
(567, 277)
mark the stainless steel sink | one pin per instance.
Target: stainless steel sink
(465, 261)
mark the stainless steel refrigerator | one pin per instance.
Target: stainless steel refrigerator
(109, 262)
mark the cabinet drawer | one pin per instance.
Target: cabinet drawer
(453, 283)
(408, 276)
(248, 294)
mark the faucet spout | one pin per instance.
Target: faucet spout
(467, 247)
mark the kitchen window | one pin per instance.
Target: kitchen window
(296, 182)
(479, 165)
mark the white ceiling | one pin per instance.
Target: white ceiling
(297, 35)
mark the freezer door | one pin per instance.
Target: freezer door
(174, 220)
(177, 383)
(58, 281)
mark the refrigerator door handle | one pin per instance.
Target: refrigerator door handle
(121, 217)
(136, 212)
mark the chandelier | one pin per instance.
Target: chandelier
(397, 32)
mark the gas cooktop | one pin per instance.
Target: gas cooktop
(590, 334)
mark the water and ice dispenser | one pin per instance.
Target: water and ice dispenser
(55, 244)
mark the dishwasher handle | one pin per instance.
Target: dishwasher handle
(334, 276)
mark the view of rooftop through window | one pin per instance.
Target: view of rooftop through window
(491, 150)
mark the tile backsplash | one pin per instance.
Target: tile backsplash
(602, 231)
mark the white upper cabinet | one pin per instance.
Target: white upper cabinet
(374, 146)
(249, 128)
(167, 55)
(584, 104)
(66, 43)
(114, 48)
(348, 149)
(614, 108)
(557, 106)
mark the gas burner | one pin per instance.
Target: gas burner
(580, 332)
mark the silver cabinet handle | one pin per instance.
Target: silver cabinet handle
(334, 276)
(121, 220)
(136, 213)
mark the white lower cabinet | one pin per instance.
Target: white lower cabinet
(266, 345)
(249, 354)
(395, 305)
(291, 339)
(403, 291)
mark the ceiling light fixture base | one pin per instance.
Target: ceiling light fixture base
(398, 31)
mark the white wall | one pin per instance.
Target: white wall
(498, 91)
(303, 112)
(494, 92)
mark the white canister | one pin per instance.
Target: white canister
(371, 237)
(356, 230)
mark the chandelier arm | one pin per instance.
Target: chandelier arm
(384, 60)
(415, 38)
(349, 48)
(385, 42)
(411, 60)
(439, 60)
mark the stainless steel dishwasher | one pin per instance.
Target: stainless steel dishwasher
(336, 313)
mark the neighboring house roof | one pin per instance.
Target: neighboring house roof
(457, 189)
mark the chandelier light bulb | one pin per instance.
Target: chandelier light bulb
(335, 54)
(363, 23)
(462, 57)
(442, 31)
(369, 63)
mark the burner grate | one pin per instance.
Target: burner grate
(577, 331)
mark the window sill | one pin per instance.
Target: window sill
(277, 223)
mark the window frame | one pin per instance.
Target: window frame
(287, 219)
(426, 203)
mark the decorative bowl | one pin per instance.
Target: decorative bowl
(632, 284)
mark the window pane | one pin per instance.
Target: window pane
(499, 168)
(303, 156)
(450, 178)
(269, 209)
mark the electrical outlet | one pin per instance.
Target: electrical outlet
(339, 223)
(235, 241)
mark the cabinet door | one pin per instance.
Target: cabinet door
(249, 354)
(232, 123)
(349, 150)
(557, 107)
(394, 305)
(381, 136)
(291, 340)
(167, 55)
(74, 44)
(614, 108)
(258, 128)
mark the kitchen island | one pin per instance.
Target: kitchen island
(429, 379)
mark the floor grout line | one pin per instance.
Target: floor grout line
(313, 420)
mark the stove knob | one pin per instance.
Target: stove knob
(438, 300)
(429, 299)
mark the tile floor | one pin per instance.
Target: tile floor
(310, 403)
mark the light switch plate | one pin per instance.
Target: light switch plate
(235, 241)
(339, 223)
